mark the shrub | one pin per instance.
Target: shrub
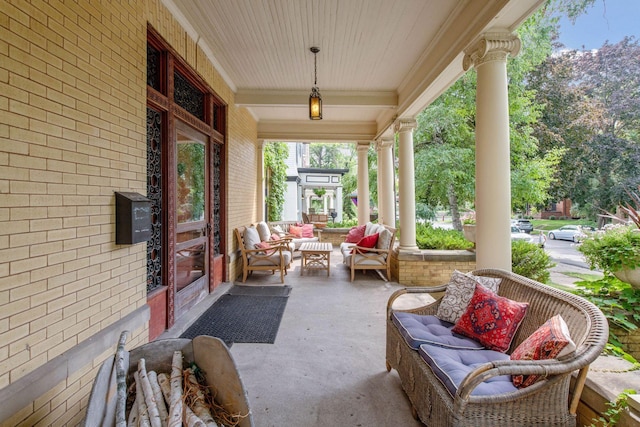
(529, 260)
(614, 248)
(347, 223)
(428, 237)
(552, 217)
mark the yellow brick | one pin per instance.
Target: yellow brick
(31, 289)
(46, 272)
(42, 298)
(17, 267)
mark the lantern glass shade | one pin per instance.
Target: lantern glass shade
(315, 105)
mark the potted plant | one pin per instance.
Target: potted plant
(469, 226)
(616, 248)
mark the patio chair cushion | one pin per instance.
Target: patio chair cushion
(459, 292)
(491, 319)
(549, 341)
(263, 231)
(419, 329)
(273, 259)
(451, 366)
(251, 237)
(355, 234)
(384, 238)
(295, 230)
(307, 230)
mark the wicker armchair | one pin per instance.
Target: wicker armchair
(545, 403)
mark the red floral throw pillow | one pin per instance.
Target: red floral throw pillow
(295, 231)
(549, 341)
(355, 234)
(367, 242)
(490, 319)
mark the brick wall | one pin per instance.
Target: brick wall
(429, 267)
(73, 131)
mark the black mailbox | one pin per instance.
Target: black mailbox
(133, 218)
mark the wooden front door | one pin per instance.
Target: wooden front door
(192, 215)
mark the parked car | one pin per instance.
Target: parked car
(523, 224)
(575, 233)
(537, 239)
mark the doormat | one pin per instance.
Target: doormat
(241, 319)
(260, 291)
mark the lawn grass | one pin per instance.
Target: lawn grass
(552, 224)
(587, 277)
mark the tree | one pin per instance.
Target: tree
(325, 156)
(445, 140)
(592, 113)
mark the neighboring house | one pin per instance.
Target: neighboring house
(557, 210)
(302, 180)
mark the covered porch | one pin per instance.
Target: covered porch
(81, 114)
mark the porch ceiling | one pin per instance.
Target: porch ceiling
(379, 59)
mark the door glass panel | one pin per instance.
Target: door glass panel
(191, 181)
(190, 264)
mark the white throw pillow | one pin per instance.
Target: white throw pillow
(459, 293)
(384, 238)
(251, 238)
(263, 231)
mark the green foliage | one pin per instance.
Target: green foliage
(348, 223)
(619, 302)
(529, 260)
(614, 248)
(612, 415)
(425, 212)
(275, 154)
(428, 237)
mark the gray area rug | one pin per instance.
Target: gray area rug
(242, 318)
(262, 291)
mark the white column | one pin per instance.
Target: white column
(386, 196)
(262, 183)
(339, 205)
(363, 183)
(324, 204)
(493, 172)
(406, 185)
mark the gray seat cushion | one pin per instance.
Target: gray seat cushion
(274, 259)
(417, 329)
(452, 366)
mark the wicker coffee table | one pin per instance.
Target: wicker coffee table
(315, 256)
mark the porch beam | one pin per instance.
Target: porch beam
(262, 98)
(326, 130)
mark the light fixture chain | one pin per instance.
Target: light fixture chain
(315, 69)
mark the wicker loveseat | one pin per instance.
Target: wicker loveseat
(548, 402)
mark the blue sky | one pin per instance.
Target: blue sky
(606, 20)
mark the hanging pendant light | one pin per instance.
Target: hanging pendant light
(315, 100)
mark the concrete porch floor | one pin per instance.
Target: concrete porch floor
(327, 365)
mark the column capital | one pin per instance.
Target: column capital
(493, 46)
(384, 142)
(363, 145)
(404, 125)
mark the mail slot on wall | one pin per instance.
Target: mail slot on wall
(133, 218)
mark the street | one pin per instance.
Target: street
(565, 252)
